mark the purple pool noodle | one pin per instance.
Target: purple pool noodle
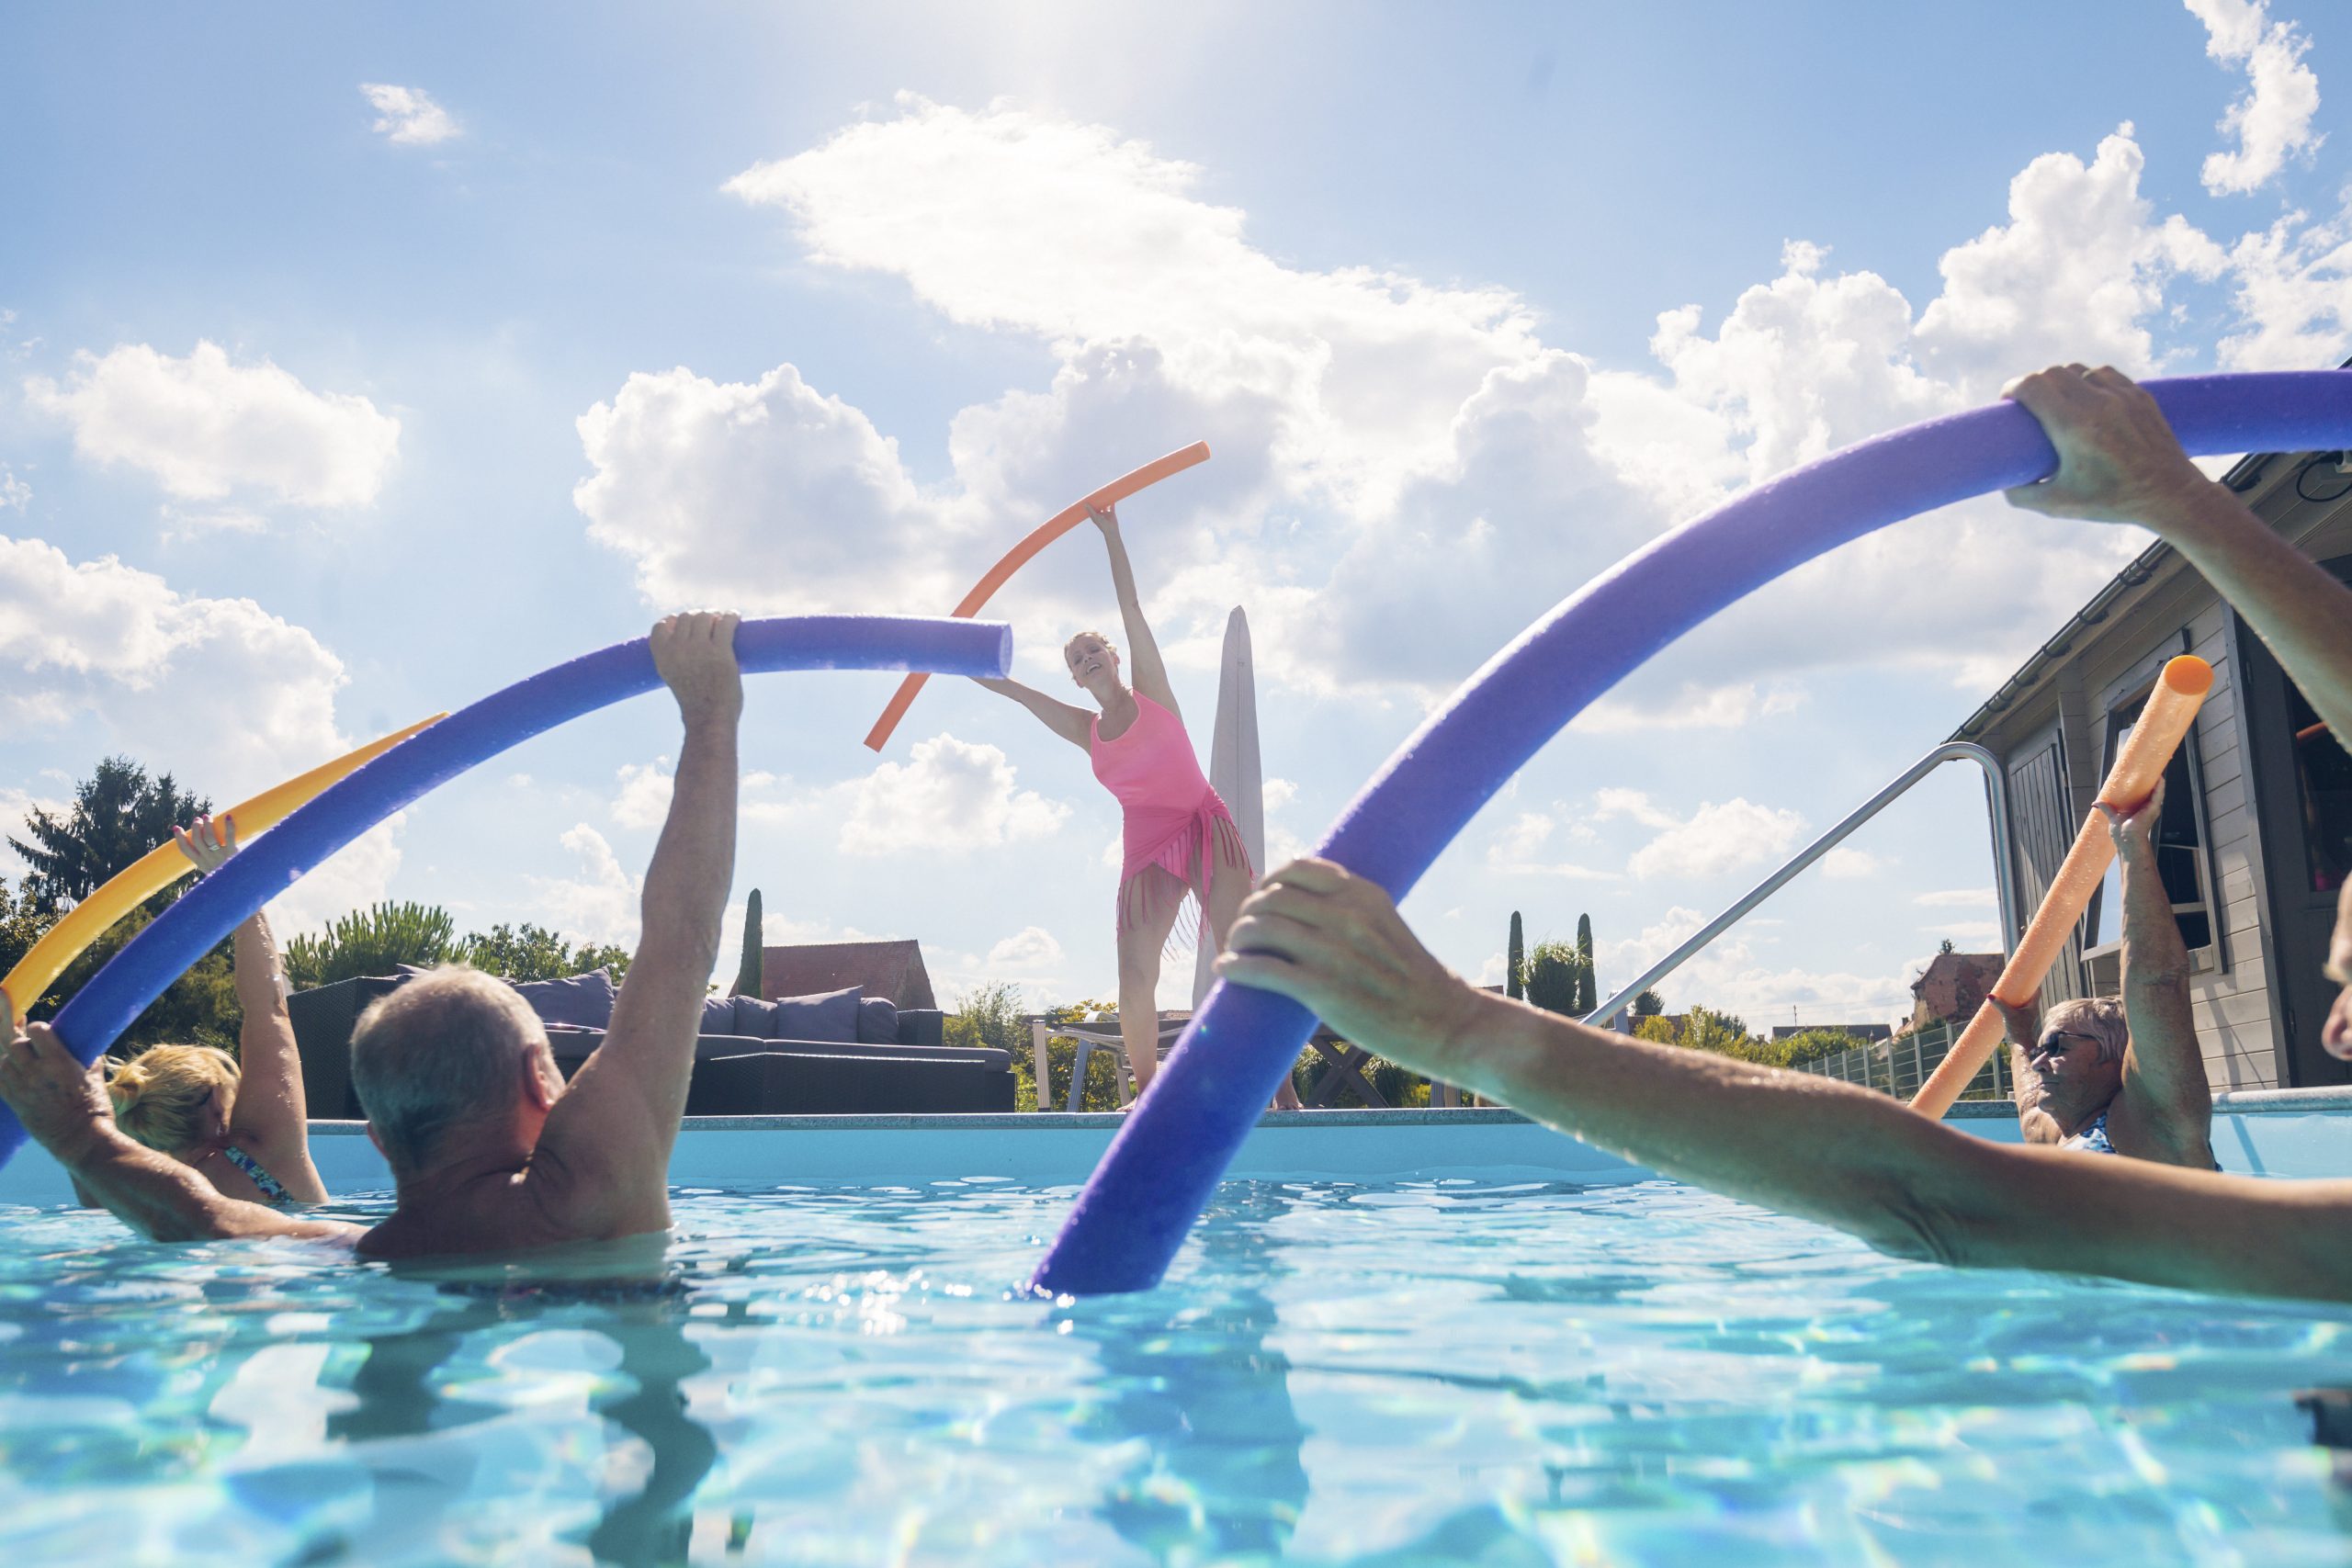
(1158, 1171)
(150, 962)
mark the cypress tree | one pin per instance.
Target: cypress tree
(1588, 997)
(1514, 961)
(748, 977)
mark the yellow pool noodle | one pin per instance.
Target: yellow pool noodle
(2139, 768)
(162, 866)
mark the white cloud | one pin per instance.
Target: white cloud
(407, 116)
(1717, 839)
(206, 428)
(1516, 849)
(765, 495)
(2274, 119)
(600, 903)
(226, 696)
(1690, 706)
(949, 798)
(1020, 219)
(1845, 864)
(1028, 951)
(1984, 935)
(14, 493)
(1956, 898)
(1275, 794)
(2293, 292)
(643, 800)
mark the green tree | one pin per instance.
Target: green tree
(749, 973)
(1706, 1030)
(374, 941)
(534, 952)
(1812, 1044)
(1649, 1004)
(1588, 990)
(1515, 961)
(1656, 1028)
(1552, 982)
(118, 814)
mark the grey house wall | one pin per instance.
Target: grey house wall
(2050, 726)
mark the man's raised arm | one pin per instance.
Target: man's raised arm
(65, 1112)
(605, 1154)
(1806, 1146)
(2119, 462)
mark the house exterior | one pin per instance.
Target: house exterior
(2256, 834)
(1953, 987)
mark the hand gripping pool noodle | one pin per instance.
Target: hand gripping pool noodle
(211, 909)
(1142, 1199)
(162, 866)
(1062, 523)
(2139, 768)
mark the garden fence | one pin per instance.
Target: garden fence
(1900, 1066)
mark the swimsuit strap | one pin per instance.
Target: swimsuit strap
(2091, 1140)
(273, 1191)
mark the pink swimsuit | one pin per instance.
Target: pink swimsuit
(1174, 820)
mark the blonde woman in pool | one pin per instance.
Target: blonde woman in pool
(245, 1130)
(1184, 872)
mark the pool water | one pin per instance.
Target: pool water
(1445, 1371)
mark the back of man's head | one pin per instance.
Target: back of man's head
(449, 1047)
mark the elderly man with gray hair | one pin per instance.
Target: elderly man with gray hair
(491, 1150)
(2122, 1076)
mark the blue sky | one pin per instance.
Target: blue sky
(357, 362)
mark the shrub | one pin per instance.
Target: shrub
(374, 941)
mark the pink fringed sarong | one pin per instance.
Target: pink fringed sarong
(1173, 819)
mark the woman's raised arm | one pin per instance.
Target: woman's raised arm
(1145, 668)
(271, 1113)
(1073, 724)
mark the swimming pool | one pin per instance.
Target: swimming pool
(1605, 1369)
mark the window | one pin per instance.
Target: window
(2323, 791)
(2180, 855)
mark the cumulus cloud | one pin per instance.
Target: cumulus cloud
(643, 798)
(205, 427)
(1028, 951)
(1711, 841)
(601, 902)
(15, 493)
(1846, 864)
(2273, 119)
(2292, 282)
(228, 696)
(407, 116)
(949, 798)
(764, 494)
(1021, 219)
(1955, 899)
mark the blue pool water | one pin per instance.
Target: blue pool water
(1456, 1371)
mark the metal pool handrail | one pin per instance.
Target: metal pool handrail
(2004, 885)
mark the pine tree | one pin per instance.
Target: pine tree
(1588, 989)
(1515, 962)
(118, 815)
(748, 976)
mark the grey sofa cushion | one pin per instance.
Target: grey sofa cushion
(878, 1021)
(583, 1000)
(718, 1015)
(830, 1018)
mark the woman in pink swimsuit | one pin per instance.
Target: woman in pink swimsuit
(1184, 865)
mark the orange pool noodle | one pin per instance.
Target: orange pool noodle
(1062, 523)
(2139, 768)
(162, 866)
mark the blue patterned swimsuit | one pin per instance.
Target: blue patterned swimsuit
(2091, 1140)
(273, 1191)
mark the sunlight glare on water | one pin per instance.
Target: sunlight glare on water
(1452, 1371)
